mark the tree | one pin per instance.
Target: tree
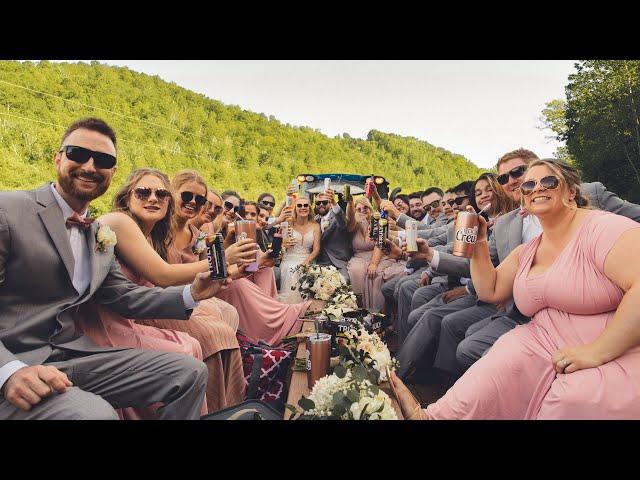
(600, 123)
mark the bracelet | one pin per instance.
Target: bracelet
(412, 415)
(484, 240)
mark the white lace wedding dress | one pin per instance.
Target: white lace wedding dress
(293, 257)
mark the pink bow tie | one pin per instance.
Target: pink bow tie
(75, 220)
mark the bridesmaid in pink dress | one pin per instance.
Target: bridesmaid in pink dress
(368, 268)
(579, 356)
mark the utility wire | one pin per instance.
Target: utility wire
(159, 147)
(101, 109)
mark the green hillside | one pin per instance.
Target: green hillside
(162, 125)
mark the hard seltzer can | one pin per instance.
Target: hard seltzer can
(411, 229)
(465, 234)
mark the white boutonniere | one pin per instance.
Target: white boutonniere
(105, 238)
(325, 223)
(200, 245)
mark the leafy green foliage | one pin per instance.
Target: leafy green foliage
(600, 123)
(162, 125)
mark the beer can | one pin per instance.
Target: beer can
(216, 258)
(411, 231)
(465, 234)
(368, 188)
(373, 226)
(327, 184)
(347, 192)
(383, 231)
(247, 229)
(318, 356)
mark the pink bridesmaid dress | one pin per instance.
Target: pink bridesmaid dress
(109, 329)
(370, 289)
(570, 304)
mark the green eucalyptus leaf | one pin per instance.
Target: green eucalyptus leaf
(306, 404)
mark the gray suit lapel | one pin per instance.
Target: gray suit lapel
(52, 219)
(98, 258)
(515, 232)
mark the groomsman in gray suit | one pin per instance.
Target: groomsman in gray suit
(335, 244)
(509, 231)
(53, 259)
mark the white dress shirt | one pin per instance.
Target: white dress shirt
(531, 228)
(81, 275)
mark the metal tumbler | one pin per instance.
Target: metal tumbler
(318, 356)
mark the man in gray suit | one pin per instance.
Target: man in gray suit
(53, 259)
(335, 244)
(509, 231)
(418, 290)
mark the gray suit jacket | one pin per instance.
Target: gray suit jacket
(335, 245)
(507, 234)
(37, 298)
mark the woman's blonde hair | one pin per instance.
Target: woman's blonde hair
(186, 176)
(363, 201)
(162, 232)
(569, 179)
(295, 212)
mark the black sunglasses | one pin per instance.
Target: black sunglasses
(228, 206)
(217, 209)
(434, 204)
(451, 202)
(268, 204)
(322, 202)
(188, 196)
(82, 155)
(548, 183)
(514, 173)
(143, 193)
(459, 200)
(302, 205)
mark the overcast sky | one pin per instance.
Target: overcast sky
(479, 109)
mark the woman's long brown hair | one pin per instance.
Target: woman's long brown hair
(162, 232)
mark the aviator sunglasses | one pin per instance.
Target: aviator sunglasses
(514, 173)
(322, 202)
(143, 193)
(82, 155)
(188, 196)
(548, 183)
(268, 204)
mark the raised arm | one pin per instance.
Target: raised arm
(351, 217)
(493, 285)
(136, 252)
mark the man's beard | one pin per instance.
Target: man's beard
(419, 217)
(66, 183)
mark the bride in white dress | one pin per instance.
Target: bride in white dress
(306, 236)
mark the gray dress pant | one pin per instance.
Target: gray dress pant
(127, 378)
(453, 330)
(420, 303)
(480, 337)
(422, 335)
(391, 289)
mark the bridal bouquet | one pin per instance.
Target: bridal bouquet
(320, 282)
(367, 349)
(347, 395)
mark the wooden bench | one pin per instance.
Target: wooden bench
(298, 384)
